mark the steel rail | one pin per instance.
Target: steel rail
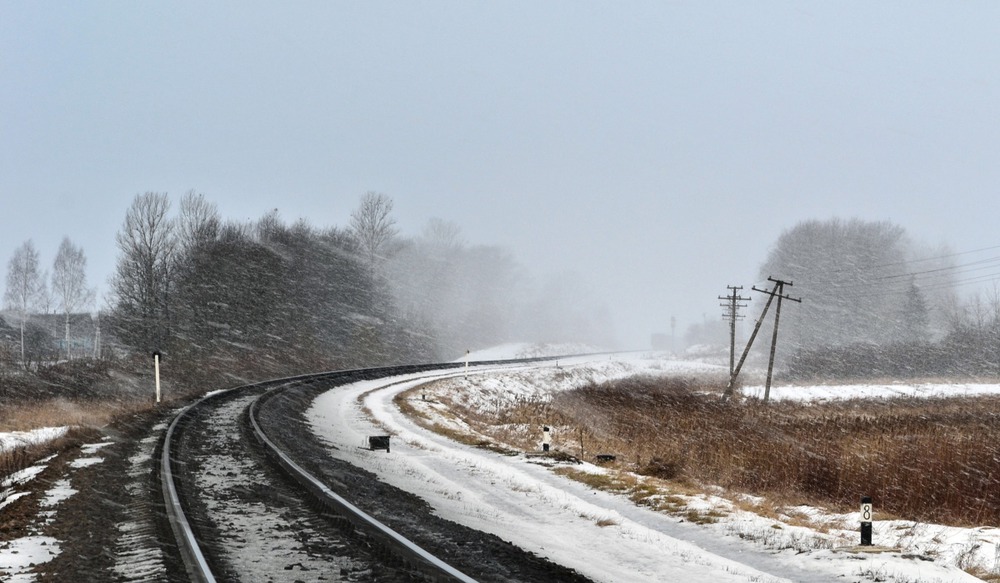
(194, 559)
(411, 553)
(195, 562)
(191, 555)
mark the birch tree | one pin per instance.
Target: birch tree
(69, 283)
(25, 287)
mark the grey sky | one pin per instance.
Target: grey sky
(658, 148)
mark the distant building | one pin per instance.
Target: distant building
(82, 333)
(10, 339)
(86, 338)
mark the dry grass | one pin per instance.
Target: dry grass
(83, 419)
(22, 457)
(63, 412)
(931, 460)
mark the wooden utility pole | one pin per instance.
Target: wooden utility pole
(777, 292)
(779, 289)
(731, 313)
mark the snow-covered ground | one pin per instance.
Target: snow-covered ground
(607, 537)
(15, 439)
(604, 536)
(527, 350)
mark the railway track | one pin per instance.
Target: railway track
(250, 497)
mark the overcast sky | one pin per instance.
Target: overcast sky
(657, 148)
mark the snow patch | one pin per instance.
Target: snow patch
(16, 439)
(19, 557)
(605, 536)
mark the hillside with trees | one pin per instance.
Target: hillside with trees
(223, 301)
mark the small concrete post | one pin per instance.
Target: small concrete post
(866, 521)
(546, 438)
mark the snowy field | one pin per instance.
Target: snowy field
(602, 535)
(605, 536)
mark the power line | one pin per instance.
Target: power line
(991, 260)
(927, 279)
(920, 259)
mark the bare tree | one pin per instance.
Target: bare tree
(373, 226)
(24, 285)
(442, 235)
(269, 226)
(198, 223)
(69, 283)
(141, 285)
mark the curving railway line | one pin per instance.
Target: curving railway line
(251, 496)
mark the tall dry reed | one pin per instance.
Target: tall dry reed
(924, 459)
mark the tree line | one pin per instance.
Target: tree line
(265, 297)
(223, 298)
(877, 304)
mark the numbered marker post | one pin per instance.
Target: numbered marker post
(866, 521)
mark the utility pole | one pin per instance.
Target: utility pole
(731, 313)
(777, 292)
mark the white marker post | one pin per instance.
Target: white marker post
(466, 364)
(866, 521)
(156, 369)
